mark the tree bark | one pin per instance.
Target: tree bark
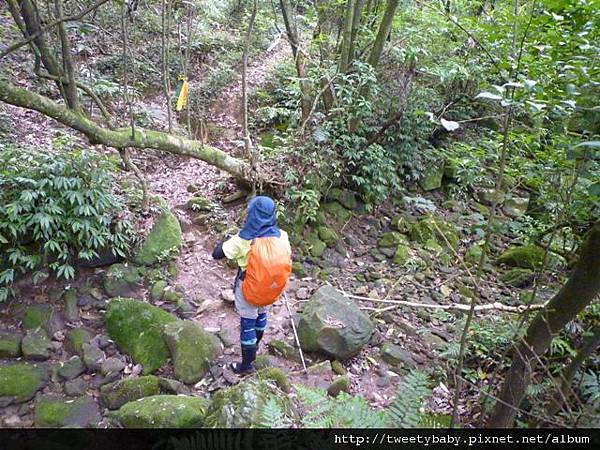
(71, 85)
(345, 48)
(382, 34)
(123, 138)
(292, 33)
(581, 288)
(356, 21)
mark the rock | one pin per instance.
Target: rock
(163, 411)
(337, 367)
(433, 340)
(227, 295)
(263, 361)
(112, 365)
(346, 198)
(158, 289)
(434, 228)
(170, 386)
(71, 369)
(36, 345)
(122, 280)
(241, 406)
(322, 368)
(280, 348)
(328, 235)
(298, 269)
(395, 355)
(403, 223)
(199, 203)
(226, 339)
(518, 277)
(92, 356)
(163, 240)
(44, 317)
(333, 324)
(20, 381)
(172, 295)
(76, 337)
(431, 178)
(392, 239)
(137, 329)
(106, 257)
(71, 308)
(116, 394)
(336, 211)
(58, 412)
(526, 257)
(276, 375)
(316, 246)
(76, 387)
(10, 344)
(473, 255)
(340, 384)
(302, 293)
(516, 206)
(488, 196)
(192, 349)
(402, 254)
(100, 380)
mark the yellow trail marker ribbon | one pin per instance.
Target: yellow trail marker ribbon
(183, 92)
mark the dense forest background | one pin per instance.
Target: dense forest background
(436, 163)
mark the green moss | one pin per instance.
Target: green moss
(392, 239)
(199, 203)
(526, 257)
(276, 375)
(37, 316)
(52, 414)
(163, 411)
(339, 384)
(473, 255)
(76, 338)
(337, 367)
(164, 238)
(346, 198)
(121, 279)
(437, 229)
(137, 327)
(158, 290)
(299, 269)
(518, 277)
(116, 394)
(172, 295)
(402, 254)
(262, 362)
(327, 235)
(336, 211)
(10, 345)
(21, 380)
(316, 246)
(279, 348)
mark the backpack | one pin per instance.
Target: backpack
(268, 271)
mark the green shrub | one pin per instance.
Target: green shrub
(56, 207)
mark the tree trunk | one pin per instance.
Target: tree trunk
(292, 33)
(590, 345)
(356, 21)
(345, 48)
(123, 138)
(581, 288)
(71, 85)
(382, 34)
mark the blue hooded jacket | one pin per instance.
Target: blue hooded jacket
(262, 219)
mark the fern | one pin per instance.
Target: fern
(273, 416)
(590, 389)
(406, 410)
(207, 440)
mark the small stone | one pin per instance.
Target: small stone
(322, 368)
(103, 341)
(111, 365)
(227, 295)
(158, 290)
(76, 337)
(76, 387)
(207, 305)
(302, 293)
(71, 369)
(92, 356)
(100, 380)
(337, 367)
(71, 308)
(383, 382)
(226, 339)
(36, 345)
(340, 384)
(395, 355)
(171, 295)
(13, 421)
(57, 412)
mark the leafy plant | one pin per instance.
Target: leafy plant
(55, 208)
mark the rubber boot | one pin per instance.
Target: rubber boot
(259, 335)
(247, 364)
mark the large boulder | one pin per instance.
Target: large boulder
(192, 349)
(116, 394)
(431, 178)
(525, 257)
(137, 329)
(122, 279)
(43, 316)
(333, 324)
(434, 228)
(19, 382)
(58, 412)
(346, 198)
(163, 411)
(241, 406)
(518, 277)
(163, 240)
(336, 211)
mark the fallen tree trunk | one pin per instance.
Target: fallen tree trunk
(123, 138)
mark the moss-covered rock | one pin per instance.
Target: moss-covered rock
(489, 196)
(516, 206)
(172, 295)
(402, 254)
(10, 344)
(333, 324)
(42, 317)
(241, 406)
(337, 367)
(437, 229)
(58, 412)
(340, 384)
(395, 355)
(526, 257)
(20, 381)
(392, 239)
(343, 196)
(158, 290)
(432, 176)
(199, 203)
(518, 277)
(298, 269)
(71, 307)
(402, 223)
(76, 337)
(137, 329)
(473, 255)
(163, 411)
(276, 375)
(36, 345)
(336, 211)
(116, 394)
(192, 348)
(163, 240)
(122, 279)
(279, 348)
(71, 368)
(316, 245)
(328, 235)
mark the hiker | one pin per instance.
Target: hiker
(263, 254)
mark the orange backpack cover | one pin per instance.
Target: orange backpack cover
(268, 271)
